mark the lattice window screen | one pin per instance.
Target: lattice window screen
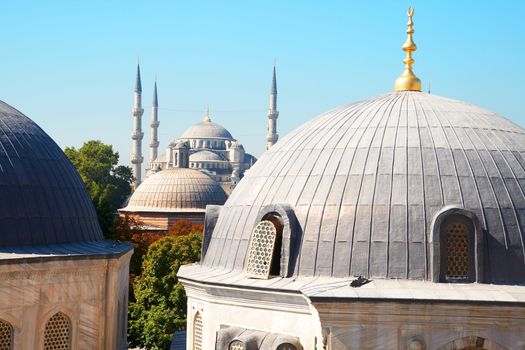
(57, 334)
(261, 250)
(236, 345)
(457, 251)
(197, 332)
(6, 336)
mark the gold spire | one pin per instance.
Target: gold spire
(408, 80)
(207, 118)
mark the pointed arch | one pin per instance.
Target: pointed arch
(457, 239)
(471, 343)
(197, 331)
(57, 332)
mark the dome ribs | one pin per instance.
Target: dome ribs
(47, 202)
(367, 180)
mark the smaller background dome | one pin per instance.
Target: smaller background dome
(205, 156)
(207, 130)
(176, 190)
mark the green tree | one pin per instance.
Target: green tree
(160, 306)
(108, 183)
(184, 227)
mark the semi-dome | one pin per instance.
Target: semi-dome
(367, 183)
(44, 200)
(205, 156)
(176, 190)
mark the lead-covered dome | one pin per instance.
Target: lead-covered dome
(43, 199)
(368, 180)
(207, 130)
(176, 190)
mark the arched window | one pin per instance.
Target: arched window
(197, 332)
(236, 345)
(457, 250)
(6, 335)
(264, 255)
(471, 343)
(57, 334)
(286, 346)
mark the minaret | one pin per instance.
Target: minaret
(272, 136)
(137, 134)
(154, 144)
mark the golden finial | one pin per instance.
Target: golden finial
(207, 118)
(408, 80)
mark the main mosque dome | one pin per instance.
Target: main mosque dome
(207, 129)
(44, 200)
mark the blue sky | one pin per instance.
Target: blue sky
(70, 65)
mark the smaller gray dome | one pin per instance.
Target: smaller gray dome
(205, 156)
(43, 200)
(176, 190)
(207, 130)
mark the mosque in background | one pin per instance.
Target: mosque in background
(199, 168)
(392, 223)
(211, 147)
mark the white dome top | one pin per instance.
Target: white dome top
(176, 190)
(207, 130)
(366, 182)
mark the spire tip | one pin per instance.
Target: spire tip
(207, 118)
(408, 80)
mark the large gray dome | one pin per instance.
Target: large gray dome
(366, 181)
(43, 199)
(176, 190)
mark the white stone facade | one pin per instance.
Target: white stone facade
(277, 312)
(399, 320)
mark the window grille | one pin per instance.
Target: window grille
(457, 251)
(197, 332)
(236, 345)
(261, 249)
(6, 336)
(57, 334)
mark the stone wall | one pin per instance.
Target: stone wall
(92, 292)
(428, 325)
(164, 221)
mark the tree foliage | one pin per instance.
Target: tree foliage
(160, 301)
(108, 183)
(129, 229)
(184, 227)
